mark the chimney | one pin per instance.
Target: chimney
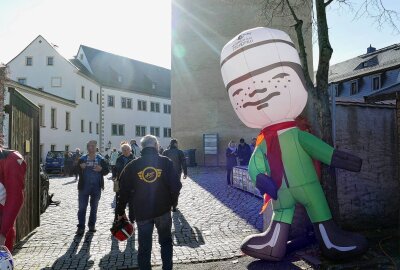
(371, 49)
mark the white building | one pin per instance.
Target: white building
(96, 95)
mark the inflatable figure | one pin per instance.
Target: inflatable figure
(265, 83)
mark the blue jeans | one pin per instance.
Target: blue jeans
(145, 233)
(94, 192)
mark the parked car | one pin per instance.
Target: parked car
(44, 190)
(54, 161)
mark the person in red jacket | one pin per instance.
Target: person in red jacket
(12, 177)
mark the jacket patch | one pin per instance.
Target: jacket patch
(149, 174)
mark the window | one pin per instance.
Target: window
(376, 82)
(153, 85)
(41, 115)
(167, 108)
(140, 131)
(53, 118)
(81, 56)
(142, 105)
(155, 131)
(82, 125)
(40, 88)
(97, 128)
(353, 88)
(119, 78)
(97, 98)
(110, 101)
(90, 127)
(55, 81)
(83, 92)
(90, 95)
(68, 121)
(66, 147)
(167, 132)
(28, 61)
(22, 80)
(50, 60)
(117, 130)
(53, 147)
(126, 103)
(336, 90)
(154, 107)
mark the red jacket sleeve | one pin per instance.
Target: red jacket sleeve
(14, 178)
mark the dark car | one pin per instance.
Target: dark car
(54, 161)
(44, 190)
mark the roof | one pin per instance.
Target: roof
(15, 83)
(382, 59)
(120, 72)
(387, 93)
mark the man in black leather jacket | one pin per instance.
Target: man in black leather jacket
(177, 157)
(153, 185)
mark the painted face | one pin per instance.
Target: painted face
(263, 76)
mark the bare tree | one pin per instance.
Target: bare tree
(318, 107)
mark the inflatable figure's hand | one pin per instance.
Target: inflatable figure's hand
(343, 160)
(266, 184)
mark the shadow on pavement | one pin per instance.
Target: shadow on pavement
(70, 182)
(117, 259)
(71, 259)
(243, 204)
(260, 265)
(184, 234)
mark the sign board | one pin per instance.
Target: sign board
(210, 145)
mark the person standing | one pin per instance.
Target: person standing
(91, 181)
(120, 164)
(153, 185)
(113, 159)
(244, 153)
(177, 156)
(135, 149)
(12, 183)
(76, 157)
(231, 160)
(253, 144)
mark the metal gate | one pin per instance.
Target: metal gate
(24, 137)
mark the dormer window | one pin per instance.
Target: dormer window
(28, 61)
(81, 56)
(119, 78)
(153, 86)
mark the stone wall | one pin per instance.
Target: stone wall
(369, 198)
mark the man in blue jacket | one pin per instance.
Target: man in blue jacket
(92, 168)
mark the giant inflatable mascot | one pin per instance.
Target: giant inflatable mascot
(265, 83)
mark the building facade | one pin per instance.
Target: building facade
(95, 95)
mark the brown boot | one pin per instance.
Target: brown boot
(269, 245)
(337, 244)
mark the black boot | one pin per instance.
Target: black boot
(337, 244)
(269, 245)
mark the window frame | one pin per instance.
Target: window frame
(167, 131)
(83, 95)
(51, 147)
(91, 95)
(53, 119)
(141, 107)
(22, 78)
(82, 125)
(108, 101)
(26, 61)
(68, 121)
(351, 87)
(90, 127)
(127, 101)
(52, 61)
(118, 126)
(155, 129)
(373, 77)
(42, 119)
(167, 108)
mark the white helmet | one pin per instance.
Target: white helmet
(6, 259)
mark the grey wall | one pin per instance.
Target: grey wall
(369, 198)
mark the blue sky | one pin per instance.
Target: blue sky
(141, 29)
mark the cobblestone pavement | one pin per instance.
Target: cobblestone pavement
(211, 222)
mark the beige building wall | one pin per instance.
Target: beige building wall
(200, 104)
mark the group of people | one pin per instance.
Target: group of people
(145, 180)
(238, 155)
(71, 163)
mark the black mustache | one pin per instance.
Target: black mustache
(257, 91)
(264, 100)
